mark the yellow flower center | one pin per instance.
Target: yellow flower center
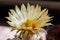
(30, 23)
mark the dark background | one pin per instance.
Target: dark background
(52, 5)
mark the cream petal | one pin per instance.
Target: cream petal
(15, 14)
(28, 10)
(24, 11)
(19, 12)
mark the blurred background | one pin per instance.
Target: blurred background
(52, 5)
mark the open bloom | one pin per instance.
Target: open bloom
(30, 18)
